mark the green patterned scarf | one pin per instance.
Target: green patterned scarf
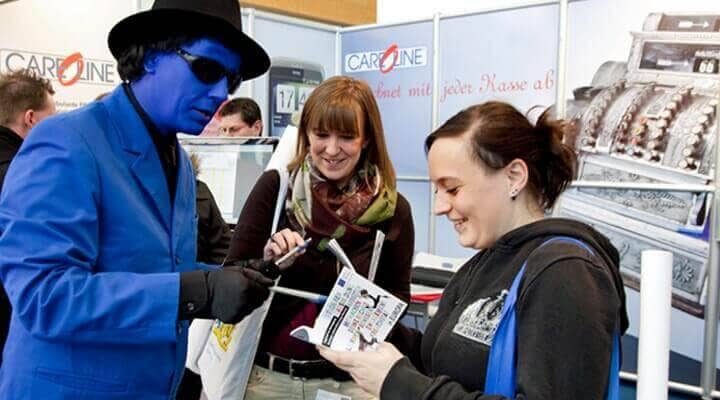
(318, 205)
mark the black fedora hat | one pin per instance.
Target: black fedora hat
(219, 19)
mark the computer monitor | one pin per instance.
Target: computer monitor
(230, 167)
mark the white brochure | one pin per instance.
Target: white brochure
(356, 316)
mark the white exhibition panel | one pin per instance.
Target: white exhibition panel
(45, 35)
(417, 194)
(503, 63)
(244, 89)
(396, 61)
(304, 44)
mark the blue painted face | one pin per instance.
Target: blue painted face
(172, 94)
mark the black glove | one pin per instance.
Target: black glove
(228, 294)
(268, 268)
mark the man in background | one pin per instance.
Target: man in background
(240, 117)
(25, 100)
(98, 220)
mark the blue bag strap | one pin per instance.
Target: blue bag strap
(500, 373)
(613, 390)
(502, 361)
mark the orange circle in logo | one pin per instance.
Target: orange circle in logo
(74, 58)
(391, 51)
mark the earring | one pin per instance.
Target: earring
(513, 195)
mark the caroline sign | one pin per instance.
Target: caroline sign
(67, 70)
(386, 60)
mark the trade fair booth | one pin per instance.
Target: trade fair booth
(640, 82)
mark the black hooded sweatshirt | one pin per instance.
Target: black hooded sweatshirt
(569, 305)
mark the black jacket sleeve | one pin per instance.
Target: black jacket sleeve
(213, 233)
(566, 318)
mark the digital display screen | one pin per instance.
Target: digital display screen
(289, 89)
(681, 57)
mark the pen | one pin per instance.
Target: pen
(271, 269)
(313, 297)
(292, 252)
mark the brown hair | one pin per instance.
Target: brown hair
(498, 133)
(20, 91)
(335, 105)
(247, 108)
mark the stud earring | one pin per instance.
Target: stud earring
(513, 195)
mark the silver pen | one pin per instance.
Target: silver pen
(312, 297)
(292, 252)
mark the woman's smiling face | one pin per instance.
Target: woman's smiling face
(336, 154)
(474, 198)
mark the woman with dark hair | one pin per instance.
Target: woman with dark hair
(538, 311)
(341, 186)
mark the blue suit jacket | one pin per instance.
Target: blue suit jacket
(90, 248)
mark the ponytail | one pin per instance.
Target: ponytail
(560, 160)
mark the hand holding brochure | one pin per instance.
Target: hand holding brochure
(357, 315)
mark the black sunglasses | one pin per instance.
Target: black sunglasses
(210, 71)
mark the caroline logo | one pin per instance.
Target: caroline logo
(386, 60)
(67, 70)
(73, 60)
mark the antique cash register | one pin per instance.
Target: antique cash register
(652, 120)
